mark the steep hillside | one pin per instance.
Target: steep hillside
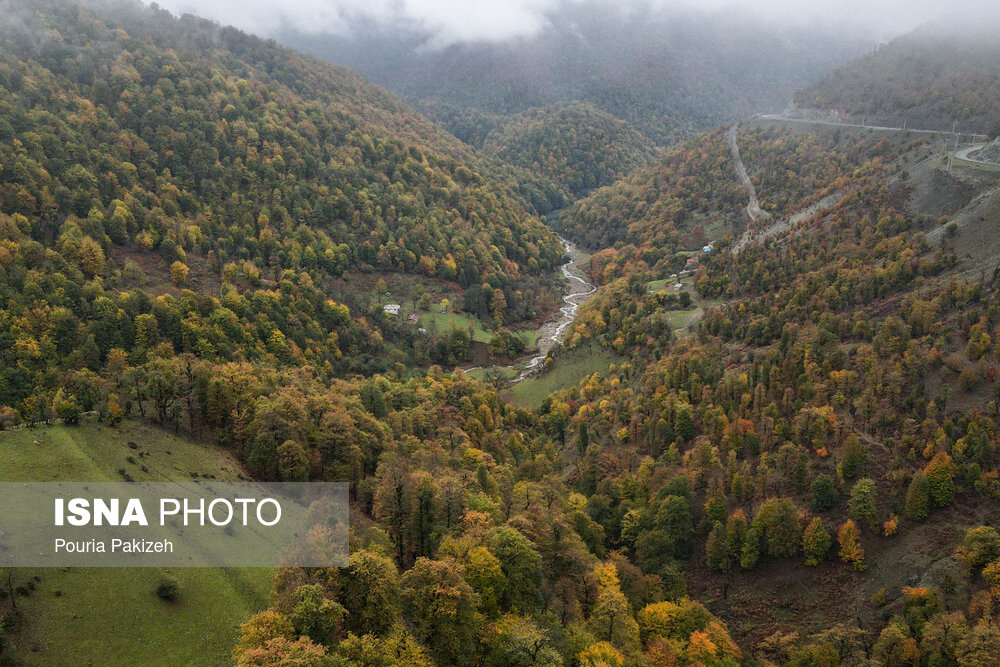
(112, 616)
(933, 78)
(836, 401)
(167, 181)
(691, 195)
(658, 205)
(577, 146)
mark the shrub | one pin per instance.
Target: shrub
(168, 589)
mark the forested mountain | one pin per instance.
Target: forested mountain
(936, 77)
(793, 458)
(837, 404)
(662, 71)
(668, 206)
(577, 146)
(142, 155)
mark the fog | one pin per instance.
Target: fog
(450, 21)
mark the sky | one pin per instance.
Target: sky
(497, 20)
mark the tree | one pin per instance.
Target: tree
(852, 458)
(824, 493)
(980, 545)
(370, 592)
(980, 646)
(517, 641)
(442, 608)
(168, 589)
(849, 539)
(315, 615)
(286, 653)
(484, 574)
(815, 542)
(293, 462)
(895, 646)
(397, 649)
(262, 628)
(918, 497)
(777, 524)
(611, 618)
(673, 621)
(717, 548)
(601, 654)
(669, 536)
(750, 553)
(521, 566)
(179, 273)
(861, 504)
(736, 534)
(942, 636)
(941, 479)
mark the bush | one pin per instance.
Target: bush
(168, 589)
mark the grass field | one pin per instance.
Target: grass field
(442, 323)
(111, 616)
(569, 369)
(679, 319)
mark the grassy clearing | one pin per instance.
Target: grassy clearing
(442, 323)
(529, 336)
(111, 616)
(679, 319)
(569, 369)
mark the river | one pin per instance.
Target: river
(550, 334)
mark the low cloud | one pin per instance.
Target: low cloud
(449, 21)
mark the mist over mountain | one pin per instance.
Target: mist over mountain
(659, 69)
(942, 75)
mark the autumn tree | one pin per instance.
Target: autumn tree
(861, 504)
(816, 542)
(849, 539)
(611, 618)
(442, 608)
(918, 497)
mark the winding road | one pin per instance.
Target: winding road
(864, 126)
(753, 208)
(965, 154)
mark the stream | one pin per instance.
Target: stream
(550, 334)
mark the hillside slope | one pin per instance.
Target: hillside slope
(170, 181)
(935, 78)
(112, 616)
(576, 145)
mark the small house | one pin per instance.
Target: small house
(391, 308)
(692, 263)
(678, 287)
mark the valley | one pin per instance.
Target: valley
(621, 367)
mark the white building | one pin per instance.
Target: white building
(391, 308)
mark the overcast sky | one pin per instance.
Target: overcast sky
(457, 20)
